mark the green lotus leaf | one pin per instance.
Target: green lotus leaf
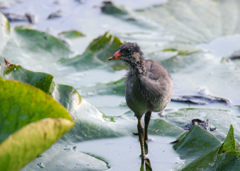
(71, 34)
(196, 143)
(120, 12)
(66, 96)
(222, 157)
(163, 128)
(229, 143)
(110, 8)
(203, 162)
(115, 87)
(31, 140)
(40, 80)
(59, 156)
(22, 124)
(184, 116)
(22, 104)
(37, 39)
(228, 161)
(97, 54)
(37, 46)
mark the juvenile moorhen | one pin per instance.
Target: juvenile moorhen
(149, 87)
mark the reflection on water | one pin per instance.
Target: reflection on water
(146, 165)
(123, 153)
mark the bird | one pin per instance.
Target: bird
(149, 87)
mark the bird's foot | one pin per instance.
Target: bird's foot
(135, 133)
(142, 157)
(146, 146)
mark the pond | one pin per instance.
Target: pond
(194, 40)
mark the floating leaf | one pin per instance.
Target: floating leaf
(39, 40)
(97, 53)
(229, 143)
(205, 161)
(71, 34)
(161, 127)
(195, 143)
(110, 8)
(22, 109)
(40, 49)
(20, 148)
(22, 104)
(65, 95)
(228, 161)
(40, 80)
(56, 158)
(183, 117)
(115, 87)
(224, 157)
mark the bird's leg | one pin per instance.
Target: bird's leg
(141, 138)
(147, 121)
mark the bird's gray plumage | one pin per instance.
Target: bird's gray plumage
(148, 91)
(149, 87)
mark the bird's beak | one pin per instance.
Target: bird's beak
(116, 55)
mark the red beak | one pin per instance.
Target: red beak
(116, 55)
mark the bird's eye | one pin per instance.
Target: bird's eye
(125, 51)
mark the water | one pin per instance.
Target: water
(123, 153)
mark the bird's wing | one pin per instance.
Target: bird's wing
(155, 71)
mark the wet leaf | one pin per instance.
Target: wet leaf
(90, 124)
(228, 161)
(203, 162)
(217, 118)
(87, 125)
(22, 104)
(110, 8)
(42, 41)
(229, 143)
(163, 128)
(75, 160)
(40, 49)
(195, 143)
(97, 53)
(66, 96)
(194, 21)
(71, 34)
(224, 157)
(115, 87)
(20, 148)
(23, 109)
(40, 80)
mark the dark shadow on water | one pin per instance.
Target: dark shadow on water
(146, 165)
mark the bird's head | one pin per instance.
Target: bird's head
(130, 53)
